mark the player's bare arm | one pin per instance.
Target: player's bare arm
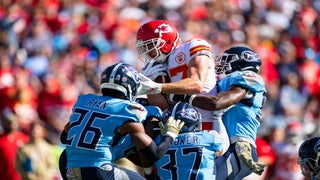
(197, 75)
(137, 133)
(145, 144)
(222, 100)
(191, 85)
(194, 84)
(184, 86)
(141, 141)
(198, 69)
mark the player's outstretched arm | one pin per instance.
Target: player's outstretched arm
(221, 101)
(185, 86)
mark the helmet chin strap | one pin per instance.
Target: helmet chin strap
(160, 57)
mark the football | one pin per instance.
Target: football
(162, 78)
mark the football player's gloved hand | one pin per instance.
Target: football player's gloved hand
(171, 128)
(147, 86)
(243, 150)
(153, 71)
(174, 98)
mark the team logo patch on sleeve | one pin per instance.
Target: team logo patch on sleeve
(180, 58)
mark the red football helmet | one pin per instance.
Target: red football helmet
(156, 39)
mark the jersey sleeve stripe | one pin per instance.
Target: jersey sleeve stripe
(199, 48)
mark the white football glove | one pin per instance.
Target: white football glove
(147, 86)
(153, 72)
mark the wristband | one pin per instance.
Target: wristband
(157, 89)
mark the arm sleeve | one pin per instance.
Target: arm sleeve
(155, 152)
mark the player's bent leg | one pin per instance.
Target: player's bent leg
(125, 163)
(227, 166)
(244, 172)
(244, 169)
(105, 172)
(63, 164)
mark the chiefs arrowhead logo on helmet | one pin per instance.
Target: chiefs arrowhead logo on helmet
(163, 28)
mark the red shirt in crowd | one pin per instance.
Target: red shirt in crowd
(9, 144)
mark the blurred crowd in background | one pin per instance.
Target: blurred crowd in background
(51, 51)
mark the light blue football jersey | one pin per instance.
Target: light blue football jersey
(94, 121)
(190, 156)
(243, 118)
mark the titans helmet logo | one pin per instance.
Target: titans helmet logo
(189, 114)
(250, 56)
